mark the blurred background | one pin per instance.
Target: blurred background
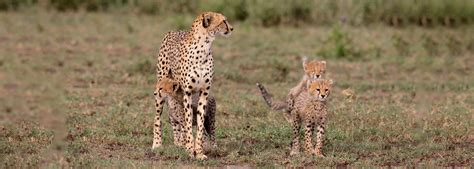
(354, 12)
(77, 76)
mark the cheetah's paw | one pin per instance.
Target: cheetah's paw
(201, 157)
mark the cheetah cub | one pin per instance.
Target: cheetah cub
(310, 109)
(169, 91)
(313, 70)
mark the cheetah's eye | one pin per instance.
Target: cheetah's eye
(318, 90)
(326, 90)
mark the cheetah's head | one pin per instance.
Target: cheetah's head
(213, 24)
(320, 89)
(314, 69)
(167, 87)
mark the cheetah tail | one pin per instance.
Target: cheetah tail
(280, 105)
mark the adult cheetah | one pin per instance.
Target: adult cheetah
(186, 57)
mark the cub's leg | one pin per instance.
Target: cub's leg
(296, 124)
(176, 131)
(182, 134)
(209, 122)
(320, 137)
(308, 134)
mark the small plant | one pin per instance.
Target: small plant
(339, 45)
(282, 68)
(401, 45)
(181, 22)
(65, 5)
(15, 4)
(454, 46)
(234, 76)
(234, 10)
(470, 45)
(265, 13)
(148, 7)
(430, 45)
(144, 67)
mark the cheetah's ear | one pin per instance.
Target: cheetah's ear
(175, 87)
(330, 82)
(323, 65)
(206, 21)
(305, 63)
(304, 60)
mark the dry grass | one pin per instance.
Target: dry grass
(76, 91)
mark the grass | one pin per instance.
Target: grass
(77, 91)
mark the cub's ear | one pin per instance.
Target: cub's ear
(304, 59)
(175, 87)
(330, 82)
(323, 64)
(305, 66)
(206, 20)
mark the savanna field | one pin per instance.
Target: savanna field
(76, 90)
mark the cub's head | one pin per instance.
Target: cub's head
(167, 87)
(213, 24)
(314, 69)
(320, 89)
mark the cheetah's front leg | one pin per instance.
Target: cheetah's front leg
(159, 101)
(188, 120)
(308, 134)
(320, 137)
(295, 143)
(203, 95)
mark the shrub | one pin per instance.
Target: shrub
(15, 4)
(178, 6)
(430, 45)
(234, 10)
(88, 5)
(401, 45)
(142, 67)
(265, 13)
(65, 5)
(147, 7)
(339, 45)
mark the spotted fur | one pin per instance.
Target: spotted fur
(314, 70)
(310, 109)
(169, 91)
(186, 56)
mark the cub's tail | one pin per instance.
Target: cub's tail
(274, 105)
